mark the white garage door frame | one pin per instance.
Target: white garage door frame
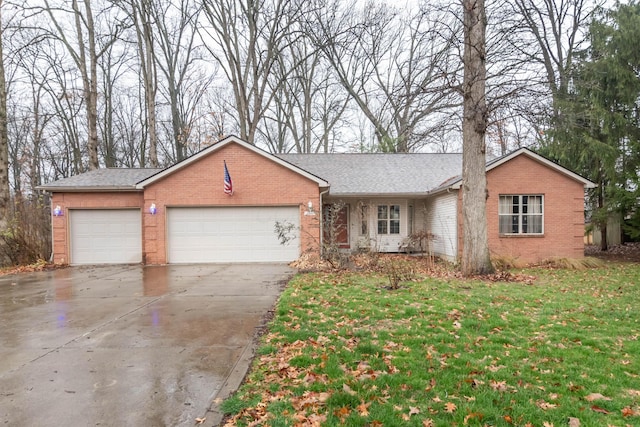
(105, 236)
(210, 234)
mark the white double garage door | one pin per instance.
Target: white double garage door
(194, 235)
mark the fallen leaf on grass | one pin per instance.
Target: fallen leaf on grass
(574, 422)
(342, 413)
(316, 419)
(432, 384)
(595, 396)
(348, 390)
(545, 405)
(428, 423)
(628, 412)
(508, 419)
(413, 410)
(547, 424)
(596, 408)
(473, 415)
(498, 385)
(450, 407)
(363, 409)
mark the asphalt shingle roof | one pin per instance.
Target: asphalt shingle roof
(103, 179)
(347, 173)
(364, 173)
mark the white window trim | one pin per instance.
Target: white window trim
(363, 221)
(521, 214)
(388, 219)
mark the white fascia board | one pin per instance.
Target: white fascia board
(379, 195)
(95, 189)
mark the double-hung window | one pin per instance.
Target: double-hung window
(388, 219)
(521, 214)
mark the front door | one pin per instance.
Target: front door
(336, 225)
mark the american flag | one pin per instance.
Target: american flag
(228, 185)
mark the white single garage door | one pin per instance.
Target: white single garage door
(105, 236)
(231, 234)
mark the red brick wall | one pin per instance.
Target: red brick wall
(563, 211)
(257, 181)
(60, 224)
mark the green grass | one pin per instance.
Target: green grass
(342, 350)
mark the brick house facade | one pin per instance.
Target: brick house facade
(382, 207)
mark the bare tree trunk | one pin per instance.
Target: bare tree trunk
(4, 140)
(85, 57)
(475, 253)
(604, 242)
(89, 80)
(142, 17)
(248, 36)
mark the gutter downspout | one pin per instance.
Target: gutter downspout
(322, 222)
(51, 222)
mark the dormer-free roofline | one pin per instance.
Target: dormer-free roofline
(217, 146)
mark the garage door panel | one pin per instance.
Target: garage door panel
(233, 234)
(105, 236)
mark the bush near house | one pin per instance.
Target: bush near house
(558, 348)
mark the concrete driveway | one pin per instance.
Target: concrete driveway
(128, 345)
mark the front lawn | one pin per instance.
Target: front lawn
(343, 350)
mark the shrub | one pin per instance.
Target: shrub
(397, 270)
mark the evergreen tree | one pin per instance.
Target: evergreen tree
(596, 132)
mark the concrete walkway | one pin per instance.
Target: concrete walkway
(129, 345)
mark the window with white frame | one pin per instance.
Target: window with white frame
(388, 219)
(364, 220)
(521, 214)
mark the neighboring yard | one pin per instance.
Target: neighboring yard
(560, 348)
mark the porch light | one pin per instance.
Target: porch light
(152, 209)
(310, 211)
(57, 211)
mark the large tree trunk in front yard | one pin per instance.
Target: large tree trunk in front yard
(4, 141)
(475, 252)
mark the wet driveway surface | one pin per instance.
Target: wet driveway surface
(128, 345)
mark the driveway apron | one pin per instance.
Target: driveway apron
(128, 345)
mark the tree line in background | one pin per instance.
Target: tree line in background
(145, 83)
